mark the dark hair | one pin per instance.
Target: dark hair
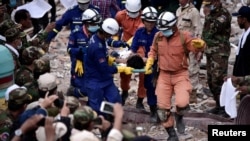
(21, 15)
(80, 126)
(13, 106)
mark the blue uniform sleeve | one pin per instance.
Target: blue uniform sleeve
(65, 20)
(72, 49)
(102, 62)
(135, 45)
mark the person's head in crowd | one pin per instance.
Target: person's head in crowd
(9, 89)
(143, 138)
(18, 99)
(42, 66)
(149, 17)
(133, 8)
(3, 8)
(108, 28)
(73, 103)
(60, 130)
(243, 17)
(7, 24)
(83, 4)
(83, 118)
(91, 19)
(47, 83)
(166, 23)
(13, 37)
(30, 54)
(22, 17)
(215, 4)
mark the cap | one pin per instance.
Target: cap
(84, 115)
(30, 53)
(47, 82)
(9, 89)
(8, 24)
(19, 96)
(60, 130)
(83, 136)
(13, 33)
(244, 11)
(42, 65)
(72, 102)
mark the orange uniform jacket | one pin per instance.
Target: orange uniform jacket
(129, 25)
(171, 52)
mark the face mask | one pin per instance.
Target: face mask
(83, 6)
(167, 33)
(133, 15)
(20, 46)
(93, 28)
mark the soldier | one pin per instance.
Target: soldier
(216, 33)
(14, 44)
(4, 26)
(5, 124)
(189, 20)
(24, 76)
(72, 17)
(23, 17)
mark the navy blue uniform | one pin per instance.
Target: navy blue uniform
(99, 75)
(143, 39)
(72, 17)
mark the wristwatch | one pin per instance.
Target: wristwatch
(18, 132)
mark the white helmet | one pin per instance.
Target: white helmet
(165, 21)
(83, 1)
(91, 16)
(149, 14)
(110, 26)
(133, 5)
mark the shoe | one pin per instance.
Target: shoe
(139, 104)
(153, 114)
(172, 136)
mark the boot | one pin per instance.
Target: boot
(222, 112)
(172, 134)
(216, 109)
(153, 114)
(179, 123)
(124, 97)
(139, 104)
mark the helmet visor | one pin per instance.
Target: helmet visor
(149, 16)
(164, 24)
(95, 20)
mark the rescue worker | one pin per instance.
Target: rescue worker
(129, 20)
(169, 45)
(78, 42)
(189, 20)
(98, 73)
(72, 17)
(216, 33)
(141, 43)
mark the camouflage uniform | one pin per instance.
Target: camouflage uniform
(84, 115)
(5, 124)
(42, 65)
(216, 33)
(24, 76)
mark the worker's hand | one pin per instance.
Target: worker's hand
(79, 68)
(198, 43)
(126, 70)
(111, 60)
(148, 67)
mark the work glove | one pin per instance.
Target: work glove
(111, 60)
(126, 70)
(148, 67)
(198, 43)
(79, 68)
